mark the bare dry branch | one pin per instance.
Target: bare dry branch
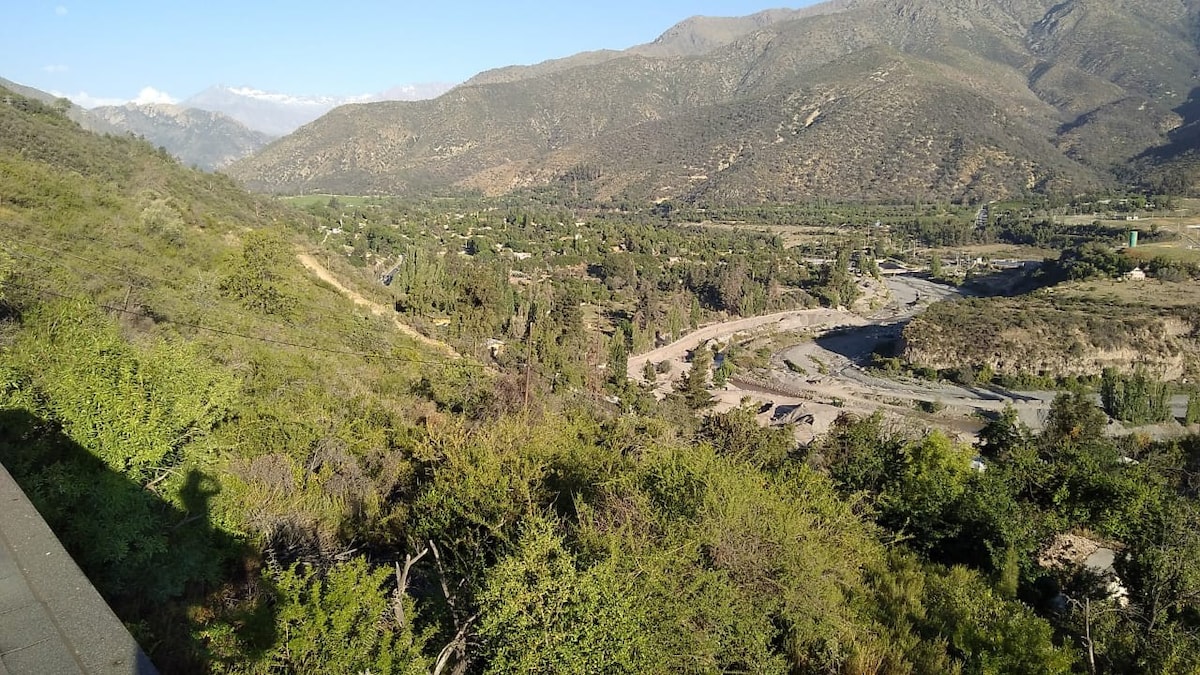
(402, 585)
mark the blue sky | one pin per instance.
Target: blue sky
(116, 50)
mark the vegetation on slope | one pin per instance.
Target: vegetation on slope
(877, 99)
(259, 479)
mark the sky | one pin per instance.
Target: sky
(113, 51)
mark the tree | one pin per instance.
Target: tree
(338, 622)
(1004, 434)
(868, 264)
(649, 372)
(738, 434)
(1193, 407)
(255, 279)
(542, 612)
(1136, 398)
(694, 385)
(618, 359)
(921, 495)
(1073, 419)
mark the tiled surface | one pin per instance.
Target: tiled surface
(52, 621)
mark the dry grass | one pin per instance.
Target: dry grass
(791, 235)
(1149, 292)
(1177, 251)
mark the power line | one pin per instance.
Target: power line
(80, 258)
(220, 331)
(143, 285)
(341, 334)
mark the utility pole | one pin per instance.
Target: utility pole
(528, 360)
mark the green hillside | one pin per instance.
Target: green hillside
(261, 477)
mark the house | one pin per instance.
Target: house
(495, 347)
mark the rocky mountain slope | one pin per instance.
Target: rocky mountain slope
(72, 111)
(200, 138)
(862, 99)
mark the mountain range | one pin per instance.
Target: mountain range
(208, 140)
(852, 99)
(277, 114)
(220, 124)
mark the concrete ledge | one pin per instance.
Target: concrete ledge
(52, 620)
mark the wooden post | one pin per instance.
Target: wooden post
(528, 360)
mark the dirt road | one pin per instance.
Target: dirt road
(677, 351)
(314, 266)
(827, 375)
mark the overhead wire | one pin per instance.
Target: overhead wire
(131, 273)
(221, 331)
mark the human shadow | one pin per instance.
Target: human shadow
(155, 558)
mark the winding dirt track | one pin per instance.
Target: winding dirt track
(791, 320)
(314, 266)
(832, 379)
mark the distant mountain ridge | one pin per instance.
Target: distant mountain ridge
(199, 132)
(863, 99)
(694, 36)
(278, 114)
(207, 140)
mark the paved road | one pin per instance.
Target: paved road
(52, 621)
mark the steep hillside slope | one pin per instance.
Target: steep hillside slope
(157, 335)
(857, 99)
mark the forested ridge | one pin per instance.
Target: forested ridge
(261, 478)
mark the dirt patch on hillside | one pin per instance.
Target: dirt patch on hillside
(313, 265)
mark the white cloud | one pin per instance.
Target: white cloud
(150, 95)
(86, 100)
(55, 68)
(60, 10)
(146, 96)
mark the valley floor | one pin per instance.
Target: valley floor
(828, 374)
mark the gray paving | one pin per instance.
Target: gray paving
(52, 620)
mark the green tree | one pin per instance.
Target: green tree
(693, 386)
(618, 360)
(255, 280)
(737, 434)
(1136, 398)
(1193, 408)
(341, 622)
(868, 264)
(1073, 419)
(921, 495)
(991, 634)
(1003, 434)
(541, 612)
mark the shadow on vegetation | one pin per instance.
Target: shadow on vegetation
(159, 565)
